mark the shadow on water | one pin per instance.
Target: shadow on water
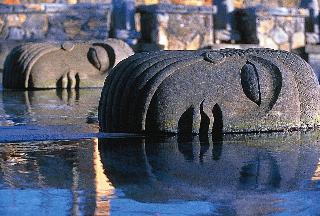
(234, 173)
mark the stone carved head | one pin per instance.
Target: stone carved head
(67, 65)
(203, 91)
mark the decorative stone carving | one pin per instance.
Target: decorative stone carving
(67, 65)
(198, 91)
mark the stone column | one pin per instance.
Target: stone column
(123, 22)
(176, 27)
(224, 21)
(313, 52)
(281, 28)
(312, 22)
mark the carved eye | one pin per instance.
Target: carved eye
(250, 83)
(98, 57)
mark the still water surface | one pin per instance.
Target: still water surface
(53, 162)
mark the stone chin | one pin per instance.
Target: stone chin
(204, 91)
(67, 65)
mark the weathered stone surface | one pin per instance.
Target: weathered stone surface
(246, 26)
(67, 65)
(199, 91)
(275, 27)
(176, 26)
(55, 22)
(298, 40)
(16, 33)
(313, 52)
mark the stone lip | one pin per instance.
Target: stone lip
(170, 8)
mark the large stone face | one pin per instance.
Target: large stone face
(199, 91)
(67, 65)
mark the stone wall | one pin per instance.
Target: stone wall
(183, 2)
(53, 1)
(281, 28)
(176, 27)
(32, 22)
(271, 3)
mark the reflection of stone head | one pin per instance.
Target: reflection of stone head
(47, 106)
(195, 91)
(67, 65)
(247, 162)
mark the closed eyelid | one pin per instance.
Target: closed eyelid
(250, 82)
(261, 80)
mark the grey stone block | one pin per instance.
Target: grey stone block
(199, 91)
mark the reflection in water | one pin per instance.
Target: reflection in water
(49, 107)
(104, 188)
(236, 175)
(250, 169)
(63, 178)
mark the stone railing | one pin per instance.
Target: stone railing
(31, 22)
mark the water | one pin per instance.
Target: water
(53, 161)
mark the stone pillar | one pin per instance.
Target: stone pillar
(123, 22)
(281, 28)
(312, 22)
(224, 22)
(176, 27)
(313, 52)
